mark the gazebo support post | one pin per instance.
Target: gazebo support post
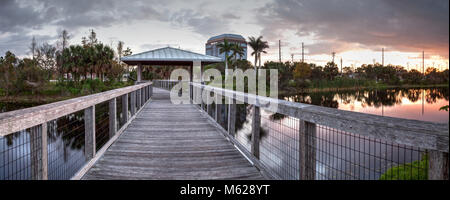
(139, 73)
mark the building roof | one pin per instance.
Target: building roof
(227, 36)
(169, 55)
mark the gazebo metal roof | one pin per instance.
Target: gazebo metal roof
(169, 56)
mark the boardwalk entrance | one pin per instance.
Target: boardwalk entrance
(167, 141)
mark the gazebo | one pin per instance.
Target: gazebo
(169, 56)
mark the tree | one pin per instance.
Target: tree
(120, 49)
(32, 76)
(127, 52)
(348, 71)
(413, 77)
(63, 43)
(8, 72)
(258, 46)
(225, 47)
(302, 71)
(237, 51)
(46, 58)
(330, 70)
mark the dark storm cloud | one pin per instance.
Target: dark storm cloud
(404, 25)
(20, 17)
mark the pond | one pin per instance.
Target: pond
(341, 155)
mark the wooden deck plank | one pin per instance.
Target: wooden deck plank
(167, 141)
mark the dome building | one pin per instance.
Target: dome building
(212, 49)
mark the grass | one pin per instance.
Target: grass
(417, 170)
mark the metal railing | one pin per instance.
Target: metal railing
(58, 140)
(302, 141)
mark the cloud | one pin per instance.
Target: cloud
(24, 17)
(21, 43)
(204, 24)
(403, 25)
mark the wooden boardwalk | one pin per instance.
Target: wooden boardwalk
(167, 141)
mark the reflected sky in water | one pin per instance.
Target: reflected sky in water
(418, 104)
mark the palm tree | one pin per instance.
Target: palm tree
(237, 50)
(258, 46)
(225, 47)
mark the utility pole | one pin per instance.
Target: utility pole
(333, 54)
(382, 57)
(303, 54)
(279, 49)
(292, 57)
(423, 62)
(341, 66)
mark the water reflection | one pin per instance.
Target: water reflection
(410, 103)
(66, 141)
(341, 155)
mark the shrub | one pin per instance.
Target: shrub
(417, 170)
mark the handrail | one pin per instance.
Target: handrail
(35, 121)
(17, 120)
(428, 135)
(429, 141)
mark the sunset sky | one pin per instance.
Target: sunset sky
(355, 29)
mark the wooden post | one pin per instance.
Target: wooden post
(201, 97)
(216, 114)
(89, 132)
(146, 93)
(138, 98)
(208, 108)
(142, 96)
(307, 148)
(231, 116)
(151, 90)
(35, 153)
(256, 126)
(133, 103)
(44, 159)
(124, 108)
(438, 165)
(112, 117)
(139, 72)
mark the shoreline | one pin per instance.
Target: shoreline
(313, 90)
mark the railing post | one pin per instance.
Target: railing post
(146, 93)
(112, 117)
(44, 159)
(217, 109)
(438, 165)
(231, 116)
(201, 97)
(89, 132)
(124, 108)
(256, 126)
(151, 90)
(138, 99)
(133, 103)
(142, 97)
(36, 153)
(307, 148)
